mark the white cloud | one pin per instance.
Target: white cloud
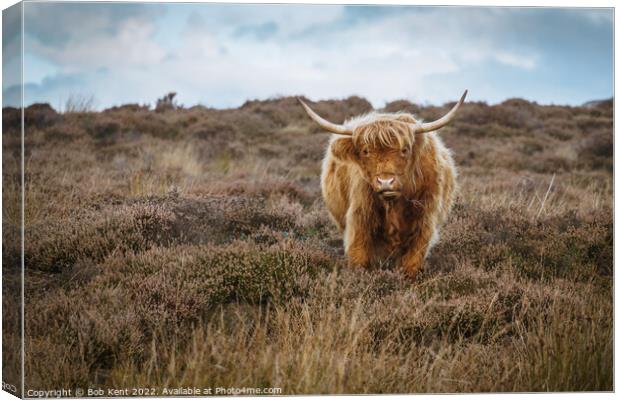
(131, 46)
(361, 59)
(525, 62)
(425, 55)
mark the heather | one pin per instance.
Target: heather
(174, 246)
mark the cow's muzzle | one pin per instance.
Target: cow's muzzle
(387, 187)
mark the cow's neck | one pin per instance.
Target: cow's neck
(393, 223)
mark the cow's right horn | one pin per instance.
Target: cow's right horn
(323, 123)
(443, 121)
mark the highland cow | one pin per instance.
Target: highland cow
(389, 183)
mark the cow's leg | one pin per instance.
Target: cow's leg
(358, 238)
(424, 233)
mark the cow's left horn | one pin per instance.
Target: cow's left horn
(328, 126)
(443, 121)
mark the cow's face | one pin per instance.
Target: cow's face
(384, 167)
(383, 152)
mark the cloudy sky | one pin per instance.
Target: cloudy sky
(220, 55)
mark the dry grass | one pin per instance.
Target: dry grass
(191, 247)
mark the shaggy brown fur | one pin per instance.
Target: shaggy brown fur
(397, 226)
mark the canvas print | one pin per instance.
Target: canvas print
(205, 199)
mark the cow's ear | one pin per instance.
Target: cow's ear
(344, 150)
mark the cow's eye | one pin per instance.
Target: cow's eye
(365, 152)
(404, 151)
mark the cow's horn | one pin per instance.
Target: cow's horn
(445, 120)
(328, 126)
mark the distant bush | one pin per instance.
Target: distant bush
(11, 118)
(166, 103)
(211, 128)
(105, 131)
(134, 107)
(79, 103)
(597, 151)
(64, 131)
(40, 115)
(402, 105)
